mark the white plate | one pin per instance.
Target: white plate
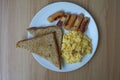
(40, 19)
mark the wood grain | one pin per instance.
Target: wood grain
(18, 64)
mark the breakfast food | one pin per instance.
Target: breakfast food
(70, 22)
(49, 42)
(63, 21)
(74, 46)
(78, 22)
(55, 16)
(44, 45)
(36, 31)
(84, 24)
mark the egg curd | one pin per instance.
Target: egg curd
(74, 46)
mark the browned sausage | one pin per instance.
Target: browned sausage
(84, 24)
(78, 22)
(55, 16)
(63, 20)
(71, 21)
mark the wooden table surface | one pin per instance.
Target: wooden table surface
(18, 64)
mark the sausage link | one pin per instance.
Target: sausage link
(78, 22)
(55, 16)
(70, 22)
(63, 20)
(84, 24)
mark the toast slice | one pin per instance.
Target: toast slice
(36, 31)
(43, 45)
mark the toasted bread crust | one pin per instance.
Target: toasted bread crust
(57, 51)
(36, 28)
(17, 45)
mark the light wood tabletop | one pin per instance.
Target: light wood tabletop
(19, 64)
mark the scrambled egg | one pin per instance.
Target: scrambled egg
(74, 46)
